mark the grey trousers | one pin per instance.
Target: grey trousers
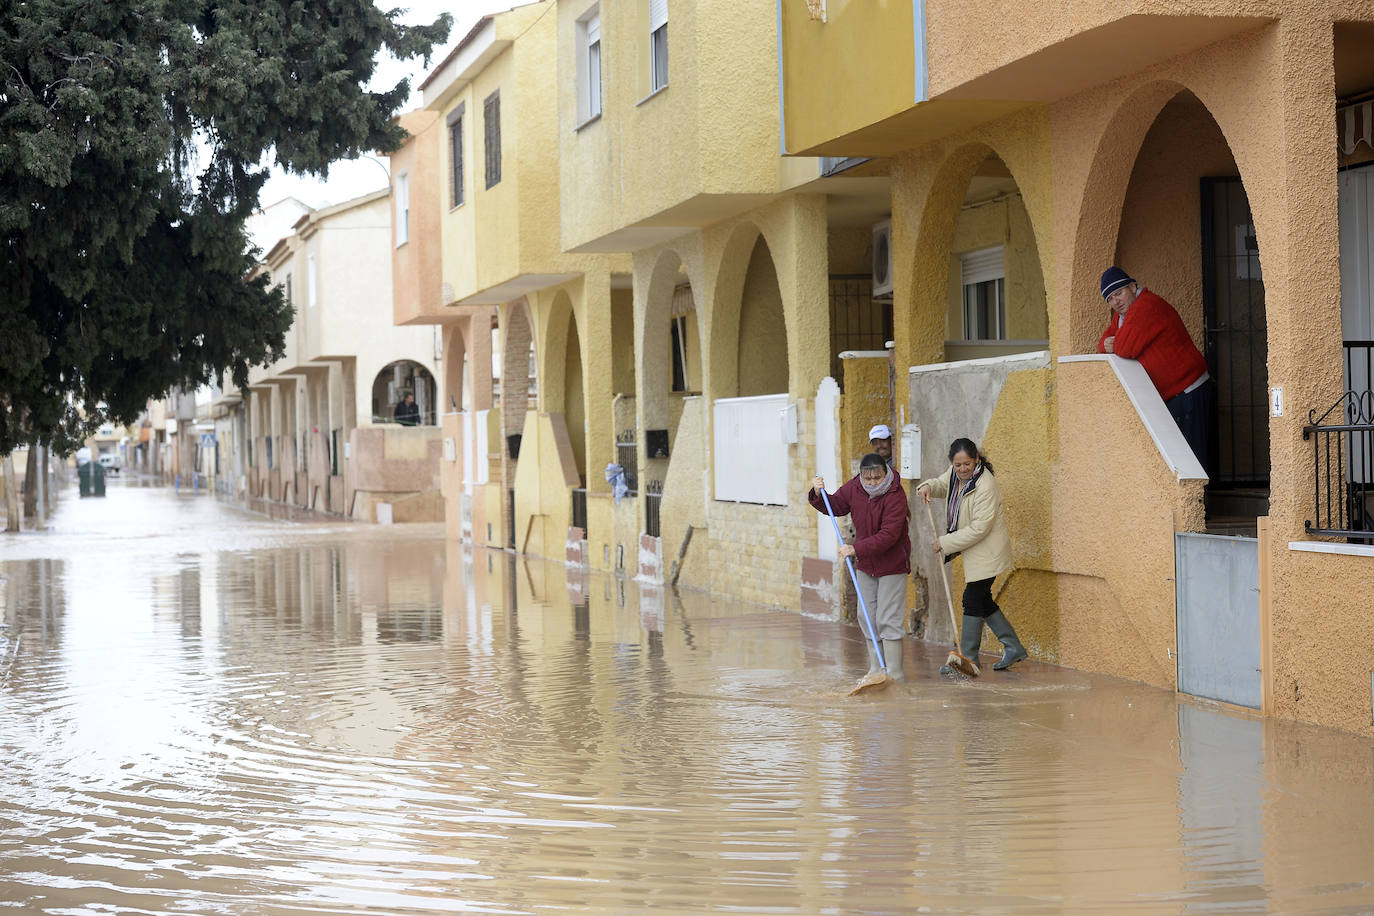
(886, 601)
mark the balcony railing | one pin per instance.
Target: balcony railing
(1343, 468)
(653, 504)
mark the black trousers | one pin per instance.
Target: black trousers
(978, 598)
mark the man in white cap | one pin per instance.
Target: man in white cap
(880, 437)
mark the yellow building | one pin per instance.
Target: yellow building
(718, 241)
(1197, 147)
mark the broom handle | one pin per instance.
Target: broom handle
(944, 576)
(872, 633)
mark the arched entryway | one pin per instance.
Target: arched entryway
(390, 389)
(1187, 233)
(978, 287)
(749, 353)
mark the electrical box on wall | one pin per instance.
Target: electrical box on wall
(909, 454)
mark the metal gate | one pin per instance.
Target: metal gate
(1217, 592)
(1236, 337)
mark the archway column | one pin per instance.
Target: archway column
(1302, 266)
(592, 306)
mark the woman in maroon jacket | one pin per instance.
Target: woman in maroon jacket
(881, 550)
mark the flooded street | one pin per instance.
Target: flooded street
(207, 710)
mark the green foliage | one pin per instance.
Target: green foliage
(131, 137)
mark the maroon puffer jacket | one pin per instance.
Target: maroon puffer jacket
(883, 544)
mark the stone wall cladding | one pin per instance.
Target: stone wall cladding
(756, 551)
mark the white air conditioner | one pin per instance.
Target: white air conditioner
(882, 258)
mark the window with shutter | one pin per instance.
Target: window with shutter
(491, 121)
(658, 44)
(589, 65)
(455, 147)
(984, 287)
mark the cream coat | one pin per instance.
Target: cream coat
(982, 534)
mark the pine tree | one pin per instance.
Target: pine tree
(132, 134)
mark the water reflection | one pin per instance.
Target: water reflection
(223, 713)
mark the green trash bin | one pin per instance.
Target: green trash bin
(83, 476)
(97, 479)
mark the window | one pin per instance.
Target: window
(589, 66)
(286, 289)
(402, 209)
(455, 152)
(311, 286)
(984, 284)
(491, 121)
(658, 44)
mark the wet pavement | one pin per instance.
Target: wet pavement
(205, 710)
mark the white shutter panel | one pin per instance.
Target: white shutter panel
(981, 266)
(593, 30)
(658, 14)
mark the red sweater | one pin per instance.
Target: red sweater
(1154, 334)
(882, 546)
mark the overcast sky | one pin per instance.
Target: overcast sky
(352, 178)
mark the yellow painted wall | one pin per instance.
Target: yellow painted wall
(866, 402)
(762, 330)
(854, 69)
(665, 148)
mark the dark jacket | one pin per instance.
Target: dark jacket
(882, 546)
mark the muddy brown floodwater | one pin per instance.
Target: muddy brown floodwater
(209, 711)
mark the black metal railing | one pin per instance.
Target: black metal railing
(627, 456)
(579, 510)
(857, 322)
(653, 504)
(1343, 467)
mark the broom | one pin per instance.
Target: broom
(874, 679)
(957, 661)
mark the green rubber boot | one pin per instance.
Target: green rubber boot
(1012, 650)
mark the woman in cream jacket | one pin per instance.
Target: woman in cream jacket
(976, 526)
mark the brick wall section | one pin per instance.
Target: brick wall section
(756, 551)
(515, 369)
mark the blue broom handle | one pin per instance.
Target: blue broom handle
(872, 633)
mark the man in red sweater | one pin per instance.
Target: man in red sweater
(1146, 328)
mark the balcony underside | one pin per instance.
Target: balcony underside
(1058, 71)
(696, 212)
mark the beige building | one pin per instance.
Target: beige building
(1207, 151)
(318, 429)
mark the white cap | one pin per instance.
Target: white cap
(879, 432)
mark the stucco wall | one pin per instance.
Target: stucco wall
(866, 402)
(1116, 508)
(417, 265)
(877, 44)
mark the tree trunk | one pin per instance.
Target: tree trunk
(11, 496)
(31, 482)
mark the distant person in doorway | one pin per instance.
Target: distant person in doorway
(976, 526)
(881, 550)
(880, 439)
(1146, 328)
(408, 412)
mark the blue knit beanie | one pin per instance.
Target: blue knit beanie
(1113, 278)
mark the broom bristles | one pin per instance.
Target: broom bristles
(962, 664)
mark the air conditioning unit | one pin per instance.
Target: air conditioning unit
(882, 258)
